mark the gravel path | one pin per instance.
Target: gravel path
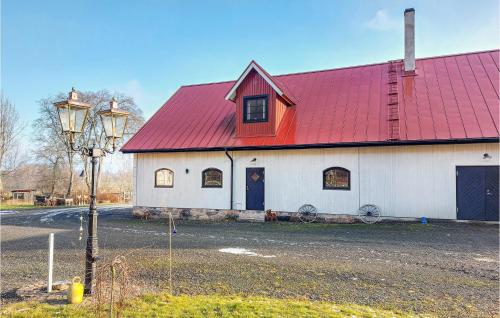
(441, 268)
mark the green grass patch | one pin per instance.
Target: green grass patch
(19, 207)
(164, 305)
(16, 207)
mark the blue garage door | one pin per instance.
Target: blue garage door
(477, 193)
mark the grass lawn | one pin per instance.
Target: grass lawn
(164, 305)
(4, 207)
(18, 207)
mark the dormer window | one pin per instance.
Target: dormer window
(255, 109)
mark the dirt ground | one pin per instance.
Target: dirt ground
(446, 269)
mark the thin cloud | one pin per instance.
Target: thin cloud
(134, 89)
(382, 21)
(146, 99)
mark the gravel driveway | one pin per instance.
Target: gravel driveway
(441, 268)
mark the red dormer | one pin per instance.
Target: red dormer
(261, 102)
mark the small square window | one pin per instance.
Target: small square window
(255, 108)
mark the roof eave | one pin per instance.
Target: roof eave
(329, 145)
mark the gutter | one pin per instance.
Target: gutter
(231, 180)
(335, 145)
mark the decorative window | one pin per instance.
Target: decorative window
(211, 178)
(336, 178)
(255, 108)
(164, 178)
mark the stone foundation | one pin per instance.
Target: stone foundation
(218, 215)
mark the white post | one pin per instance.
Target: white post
(51, 261)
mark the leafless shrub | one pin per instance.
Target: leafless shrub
(113, 287)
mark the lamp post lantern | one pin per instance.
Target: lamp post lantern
(73, 117)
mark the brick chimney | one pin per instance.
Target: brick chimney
(409, 61)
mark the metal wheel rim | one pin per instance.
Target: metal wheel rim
(307, 213)
(369, 213)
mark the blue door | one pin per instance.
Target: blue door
(255, 189)
(477, 193)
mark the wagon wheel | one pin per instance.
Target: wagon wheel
(307, 213)
(369, 213)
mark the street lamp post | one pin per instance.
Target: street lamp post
(73, 116)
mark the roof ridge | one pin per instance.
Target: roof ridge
(209, 83)
(352, 66)
(386, 62)
(458, 54)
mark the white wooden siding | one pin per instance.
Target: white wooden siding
(187, 190)
(404, 181)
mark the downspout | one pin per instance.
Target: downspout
(231, 182)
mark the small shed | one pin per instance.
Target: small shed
(24, 195)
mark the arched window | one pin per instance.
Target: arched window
(211, 178)
(336, 178)
(164, 178)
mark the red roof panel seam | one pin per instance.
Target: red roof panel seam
(207, 130)
(164, 124)
(315, 103)
(367, 118)
(151, 118)
(481, 91)
(346, 105)
(356, 108)
(323, 120)
(442, 100)
(488, 75)
(455, 98)
(495, 61)
(468, 96)
(339, 100)
(164, 121)
(225, 122)
(158, 115)
(171, 141)
(424, 79)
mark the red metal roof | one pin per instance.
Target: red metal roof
(452, 98)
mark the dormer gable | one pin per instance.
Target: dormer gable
(278, 87)
(261, 102)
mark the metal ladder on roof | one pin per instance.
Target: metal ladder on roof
(392, 102)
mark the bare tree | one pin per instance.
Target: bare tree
(53, 158)
(94, 133)
(10, 130)
(52, 146)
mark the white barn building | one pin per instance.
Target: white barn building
(413, 137)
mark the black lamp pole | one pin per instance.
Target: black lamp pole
(72, 116)
(92, 251)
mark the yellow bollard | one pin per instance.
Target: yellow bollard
(75, 291)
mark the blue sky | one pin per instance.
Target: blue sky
(148, 48)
